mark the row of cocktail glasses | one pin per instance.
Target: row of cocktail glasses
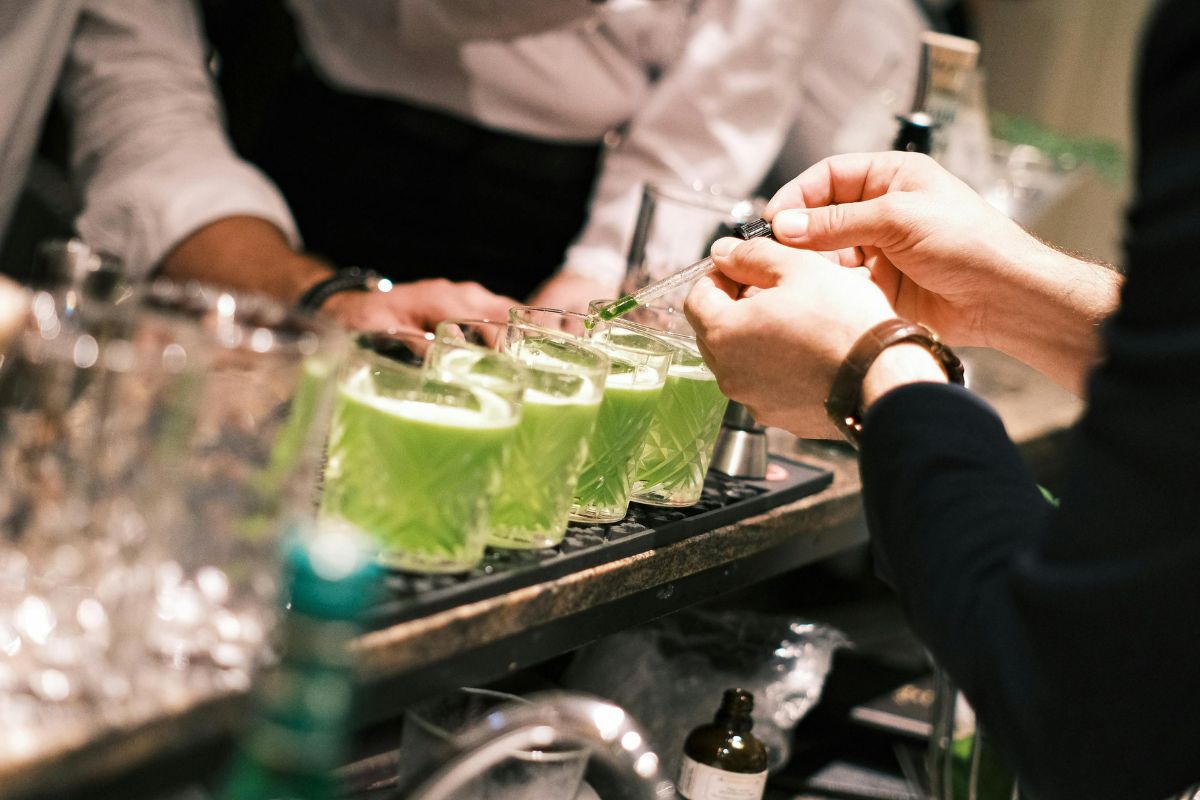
(158, 452)
(500, 432)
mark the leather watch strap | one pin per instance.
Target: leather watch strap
(844, 405)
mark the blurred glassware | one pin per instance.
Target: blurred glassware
(676, 225)
(72, 264)
(1027, 181)
(75, 573)
(962, 763)
(429, 732)
(240, 467)
(566, 379)
(155, 443)
(416, 448)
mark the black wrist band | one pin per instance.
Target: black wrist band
(350, 279)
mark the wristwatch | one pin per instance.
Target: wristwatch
(348, 279)
(844, 405)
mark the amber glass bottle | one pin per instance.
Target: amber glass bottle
(723, 760)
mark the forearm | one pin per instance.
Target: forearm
(1048, 314)
(245, 253)
(13, 306)
(148, 150)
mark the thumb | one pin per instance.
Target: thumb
(880, 222)
(762, 263)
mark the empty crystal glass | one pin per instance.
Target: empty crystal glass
(153, 453)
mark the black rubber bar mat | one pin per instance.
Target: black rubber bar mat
(725, 501)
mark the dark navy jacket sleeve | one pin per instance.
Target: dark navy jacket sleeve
(1075, 631)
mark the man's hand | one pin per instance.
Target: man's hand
(777, 348)
(944, 257)
(422, 304)
(253, 255)
(14, 304)
(571, 291)
(936, 249)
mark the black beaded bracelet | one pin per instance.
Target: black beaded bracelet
(349, 279)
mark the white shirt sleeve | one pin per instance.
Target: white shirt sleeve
(717, 118)
(149, 149)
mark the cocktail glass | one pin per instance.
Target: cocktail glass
(236, 475)
(638, 372)
(679, 444)
(415, 452)
(154, 454)
(561, 402)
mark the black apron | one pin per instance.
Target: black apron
(414, 193)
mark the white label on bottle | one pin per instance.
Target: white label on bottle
(701, 782)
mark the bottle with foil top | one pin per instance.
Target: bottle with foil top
(723, 760)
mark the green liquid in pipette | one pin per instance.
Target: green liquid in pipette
(618, 307)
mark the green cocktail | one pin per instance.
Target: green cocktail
(414, 465)
(679, 444)
(559, 408)
(682, 434)
(535, 493)
(638, 371)
(625, 414)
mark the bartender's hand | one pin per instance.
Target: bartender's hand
(777, 347)
(421, 304)
(943, 257)
(253, 255)
(14, 304)
(571, 291)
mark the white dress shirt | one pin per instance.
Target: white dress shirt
(34, 38)
(149, 149)
(693, 92)
(150, 155)
(682, 91)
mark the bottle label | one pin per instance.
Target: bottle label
(701, 782)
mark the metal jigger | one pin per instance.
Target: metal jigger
(741, 450)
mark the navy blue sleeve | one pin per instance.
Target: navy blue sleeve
(1075, 632)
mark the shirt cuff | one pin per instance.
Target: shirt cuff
(149, 215)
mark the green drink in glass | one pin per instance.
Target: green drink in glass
(606, 482)
(638, 372)
(414, 460)
(675, 457)
(565, 385)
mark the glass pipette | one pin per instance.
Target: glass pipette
(750, 230)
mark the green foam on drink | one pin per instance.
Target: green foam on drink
(416, 475)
